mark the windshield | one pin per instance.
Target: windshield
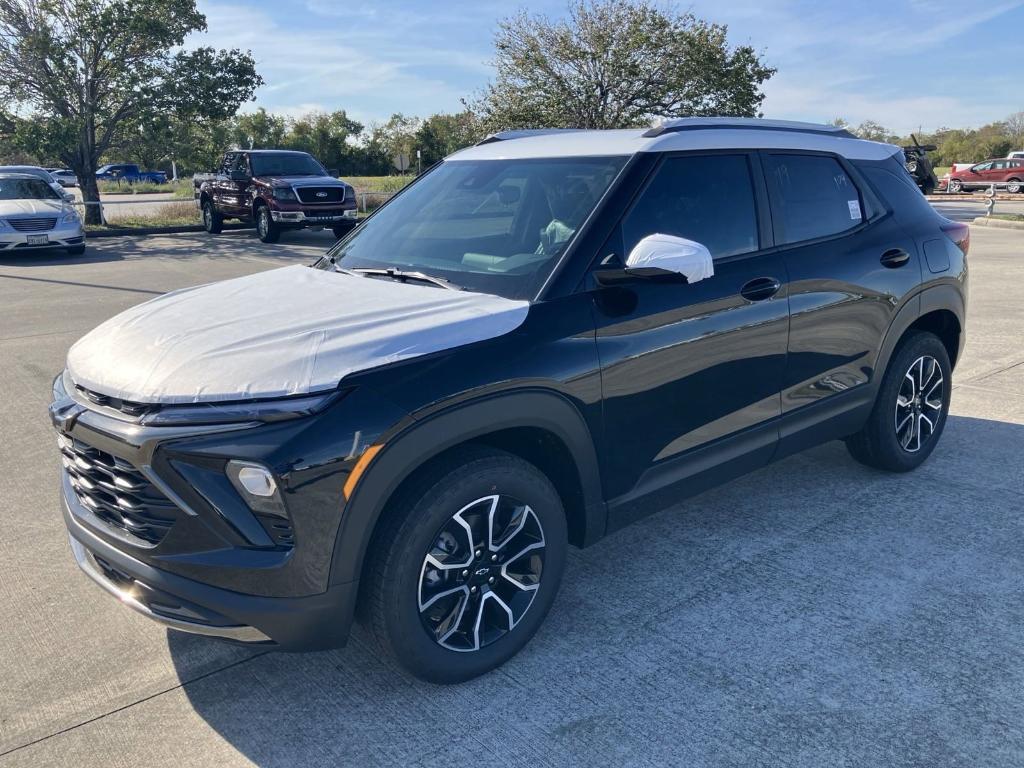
(492, 226)
(285, 165)
(26, 189)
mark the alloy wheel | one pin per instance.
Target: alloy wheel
(919, 403)
(482, 573)
(1013, 187)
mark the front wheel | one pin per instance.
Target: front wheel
(910, 411)
(467, 565)
(213, 222)
(340, 230)
(266, 230)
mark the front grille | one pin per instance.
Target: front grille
(320, 194)
(116, 492)
(127, 407)
(41, 224)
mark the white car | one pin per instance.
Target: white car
(64, 176)
(33, 215)
(39, 173)
(1015, 155)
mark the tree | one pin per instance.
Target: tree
(89, 73)
(1015, 129)
(614, 64)
(325, 136)
(441, 134)
(259, 130)
(873, 131)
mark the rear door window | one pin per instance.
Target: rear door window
(812, 197)
(709, 199)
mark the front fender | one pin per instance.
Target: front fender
(403, 453)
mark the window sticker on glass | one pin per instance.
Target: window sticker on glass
(854, 209)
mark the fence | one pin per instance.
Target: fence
(172, 211)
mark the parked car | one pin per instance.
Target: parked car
(39, 173)
(130, 174)
(277, 190)
(1005, 172)
(63, 176)
(34, 216)
(539, 341)
(1016, 155)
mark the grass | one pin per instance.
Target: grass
(166, 215)
(181, 188)
(1008, 216)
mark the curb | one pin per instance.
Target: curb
(984, 221)
(971, 198)
(173, 230)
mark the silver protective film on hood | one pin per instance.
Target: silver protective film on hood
(288, 331)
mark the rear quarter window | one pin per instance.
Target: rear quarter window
(812, 197)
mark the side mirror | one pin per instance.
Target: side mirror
(333, 172)
(68, 197)
(664, 257)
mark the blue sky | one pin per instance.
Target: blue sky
(904, 63)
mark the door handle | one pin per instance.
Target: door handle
(895, 257)
(760, 288)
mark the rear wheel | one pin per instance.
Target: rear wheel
(467, 565)
(956, 186)
(213, 222)
(266, 229)
(910, 411)
(1014, 186)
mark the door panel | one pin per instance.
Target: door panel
(685, 365)
(842, 296)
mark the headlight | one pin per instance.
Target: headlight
(70, 216)
(284, 193)
(254, 410)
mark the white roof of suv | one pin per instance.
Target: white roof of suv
(690, 133)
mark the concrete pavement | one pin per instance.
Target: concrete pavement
(814, 613)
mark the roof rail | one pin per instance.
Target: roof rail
(524, 133)
(681, 124)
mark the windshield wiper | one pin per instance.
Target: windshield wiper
(397, 274)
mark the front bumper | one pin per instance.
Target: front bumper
(312, 219)
(308, 623)
(61, 236)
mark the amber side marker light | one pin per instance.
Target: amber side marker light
(358, 469)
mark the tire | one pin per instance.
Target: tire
(955, 186)
(75, 250)
(1014, 186)
(213, 222)
(342, 229)
(438, 619)
(888, 440)
(266, 230)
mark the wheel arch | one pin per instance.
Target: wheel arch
(541, 427)
(939, 310)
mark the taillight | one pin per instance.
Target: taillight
(959, 233)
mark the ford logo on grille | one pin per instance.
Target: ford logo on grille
(321, 194)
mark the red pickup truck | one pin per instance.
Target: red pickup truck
(276, 189)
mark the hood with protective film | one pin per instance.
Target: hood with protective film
(288, 331)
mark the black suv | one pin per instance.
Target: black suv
(541, 340)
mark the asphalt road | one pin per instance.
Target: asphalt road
(815, 613)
